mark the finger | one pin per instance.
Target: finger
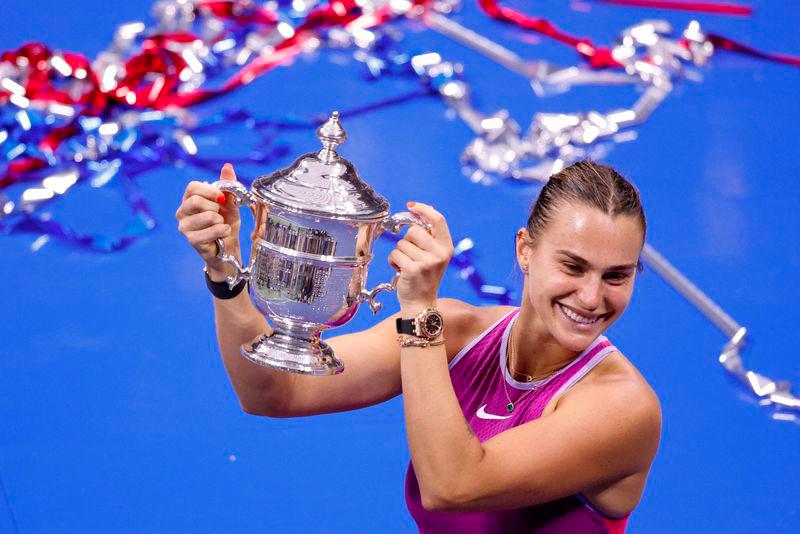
(439, 228)
(197, 204)
(200, 221)
(418, 236)
(399, 260)
(411, 250)
(202, 189)
(208, 235)
(206, 190)
(227, 173)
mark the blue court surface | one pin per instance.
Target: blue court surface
(115, 411)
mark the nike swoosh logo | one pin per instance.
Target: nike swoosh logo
(483, 415)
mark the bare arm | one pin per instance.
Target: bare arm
(371, 357)
(598, 434)
(237, 322)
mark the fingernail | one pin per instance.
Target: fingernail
(221, 198)
(411, 204)
(227, 165)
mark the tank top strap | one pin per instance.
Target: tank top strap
(591, 357)
(487, 337)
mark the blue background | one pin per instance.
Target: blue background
(115, 412)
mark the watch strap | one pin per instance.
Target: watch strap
(221, 289)
(405, 326)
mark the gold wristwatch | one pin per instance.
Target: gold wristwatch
(425, 328)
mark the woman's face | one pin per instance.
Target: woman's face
(580, 272)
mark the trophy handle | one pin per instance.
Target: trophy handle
(394, 224)
(242, 197)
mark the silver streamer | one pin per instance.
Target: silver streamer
(769, 392)
(651, 59)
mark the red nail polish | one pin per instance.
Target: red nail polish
(221, 198)
(411, 204)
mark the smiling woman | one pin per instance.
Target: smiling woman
(518, 419)
(565, 427)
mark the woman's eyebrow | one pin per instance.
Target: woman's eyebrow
(574, 257)
(585, 263)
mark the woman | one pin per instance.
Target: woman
(518, 419)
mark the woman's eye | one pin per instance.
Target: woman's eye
(616, 277)
(571, 267)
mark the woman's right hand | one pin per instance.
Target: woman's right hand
(207, 214)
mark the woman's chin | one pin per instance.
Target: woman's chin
(577, 339)
(575, 343)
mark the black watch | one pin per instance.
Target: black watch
(429, 324)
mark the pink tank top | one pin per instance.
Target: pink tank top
(476, 373)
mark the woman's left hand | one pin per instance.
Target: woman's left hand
(421, 258)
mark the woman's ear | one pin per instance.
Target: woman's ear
(523, 245)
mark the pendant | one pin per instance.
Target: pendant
(510, 407)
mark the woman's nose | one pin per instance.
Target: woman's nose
(590, 294)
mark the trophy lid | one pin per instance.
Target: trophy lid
(323, 183)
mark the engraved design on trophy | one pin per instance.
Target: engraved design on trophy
(315, 224)
(287, 278)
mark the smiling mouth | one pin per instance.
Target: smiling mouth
(578, 318)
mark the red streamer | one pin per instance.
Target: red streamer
(335, 13)
(230, 10)
(598, 57)
(700, 7)
(18, 170)
(729, 44)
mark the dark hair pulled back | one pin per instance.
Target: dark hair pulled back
(595, 185)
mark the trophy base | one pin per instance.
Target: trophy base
(287, 353)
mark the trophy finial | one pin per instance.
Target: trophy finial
(331, 134)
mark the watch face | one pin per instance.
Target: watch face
(432, 324)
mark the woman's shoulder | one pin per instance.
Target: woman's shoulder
(618, 369)
(464, 321)
(616, 375)
(615, 393)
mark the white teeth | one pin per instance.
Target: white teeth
(577, 318)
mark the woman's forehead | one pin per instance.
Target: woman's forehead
(593, 235)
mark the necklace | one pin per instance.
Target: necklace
(543, 381)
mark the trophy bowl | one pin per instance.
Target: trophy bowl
(315, 224)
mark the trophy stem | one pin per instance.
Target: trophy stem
(295, 348)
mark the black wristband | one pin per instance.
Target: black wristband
(221, 289)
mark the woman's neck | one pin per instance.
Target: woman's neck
(532, 349)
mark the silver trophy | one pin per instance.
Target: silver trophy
(315, 223)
